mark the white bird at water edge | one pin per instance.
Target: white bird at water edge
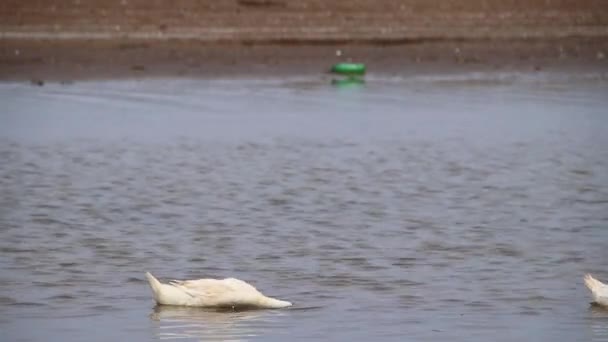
(599, 290)
(212, 293)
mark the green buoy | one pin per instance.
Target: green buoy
(349, 69)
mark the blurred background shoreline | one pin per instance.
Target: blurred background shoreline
(133, 38)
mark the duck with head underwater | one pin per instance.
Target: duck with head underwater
(212, 293)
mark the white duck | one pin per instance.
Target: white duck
(216, 293)
(598, 289)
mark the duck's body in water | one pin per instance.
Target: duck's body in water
(213, 293)
(599, 290)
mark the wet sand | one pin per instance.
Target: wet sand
(71, 40)
(102, 59)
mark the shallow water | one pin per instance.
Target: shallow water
(455, 207)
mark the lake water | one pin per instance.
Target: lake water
(457, 207)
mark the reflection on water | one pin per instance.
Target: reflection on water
(209, 325)
(430, 209)
(598, 322)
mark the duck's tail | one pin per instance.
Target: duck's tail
(155, 285)
(593, 284)
(271, 303)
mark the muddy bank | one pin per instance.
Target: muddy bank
(68, 40)
(310, 20)
(98, 59)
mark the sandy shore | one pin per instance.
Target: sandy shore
(76, 60)
(67, 40)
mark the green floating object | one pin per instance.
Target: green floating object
(349, 68)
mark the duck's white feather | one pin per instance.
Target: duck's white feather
(228, 292)
(599, 290)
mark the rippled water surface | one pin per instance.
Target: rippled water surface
(460, 208)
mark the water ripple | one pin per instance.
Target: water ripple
(465, 205)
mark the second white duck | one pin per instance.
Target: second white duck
(599, 290)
